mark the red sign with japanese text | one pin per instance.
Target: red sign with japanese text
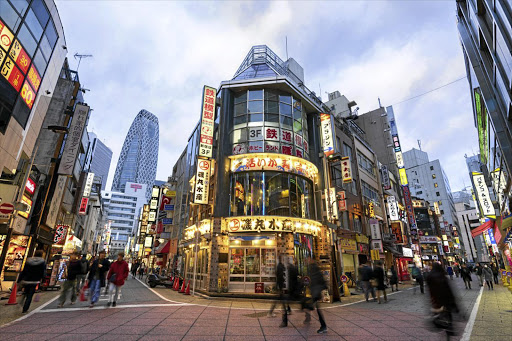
(6, 36)
(83, 206)
(20, 56)
(34, 78)
(12, 74)
(28, 94)
(207, 121)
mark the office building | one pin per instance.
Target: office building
(139, 156)
(99, 159)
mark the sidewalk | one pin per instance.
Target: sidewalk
(494, 318)
(10, 313)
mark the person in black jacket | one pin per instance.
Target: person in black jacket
(280, 273)
(316, 287)
(365, 275)
(379, 274)
(80, 278)
(465, 273)
(31, 276)
(393, 280)
(294, 292)
(97, 275)
(73, 269)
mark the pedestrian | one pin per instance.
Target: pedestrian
(393, 280)
(418, 277)
(479, 274)
(135, 266)
(456, 269)
(294, 292)
(81, 277)
(442, 299)
(116, 276)
(99, 269)
(487, 274)
(379, 274)
(366, 274)
(449, 271)
(495, 272)
(141, 270)
(32, 274)
(73, 269)
(465, 273)
(280, 273)
(316, 287)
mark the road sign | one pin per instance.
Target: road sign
(6, 208)
(344, 278)
(168, 207)
(306, 280)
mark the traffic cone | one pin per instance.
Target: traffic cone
(182, 290)
(176, 284)
(37, 287)
(187, 291)
(12, 298)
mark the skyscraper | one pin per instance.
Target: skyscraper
(139, 155)
(99, 158)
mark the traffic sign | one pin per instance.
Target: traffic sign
(344, 278)
(306, 280)
(6, 208)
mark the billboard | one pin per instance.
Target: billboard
(88, 185)
(346, 169)
(207, 121)
(83, 206)
(73, 140)
(392, 208)
(482, 194)
(202, 185)
(327, 138)
(482, 126)
(385, 177)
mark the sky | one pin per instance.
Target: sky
(158, 55)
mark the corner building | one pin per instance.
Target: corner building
(265, 198)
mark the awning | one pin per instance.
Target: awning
(164, 248)
(482, 228)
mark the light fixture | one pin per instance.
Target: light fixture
(48, 92)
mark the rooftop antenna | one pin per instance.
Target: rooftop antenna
(286, 45)
(380, 105)
(80, 56)
(419, 144)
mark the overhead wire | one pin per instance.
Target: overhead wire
(427, 92)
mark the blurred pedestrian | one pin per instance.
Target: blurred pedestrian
(365, 275)
(418, 277)
(495, 272)
(449, 271)
(393, 280)
(487, 274)
(465, 273)
(280, 273)
(142, 268)
(73, 269)
(479, 274)
(294, 292)
(135, 266)
(81, 277)
(442, 299)
(116, 276)
(456, 269)
(379, 274)
(316, 287)
(32, 274)
(99, 269)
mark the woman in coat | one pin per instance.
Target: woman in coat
(379, 274)
(116, 276)
(393, 280)
(487, 273)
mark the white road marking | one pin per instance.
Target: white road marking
(121, 306)
(159, 295)
(38, 309)
(471, 322)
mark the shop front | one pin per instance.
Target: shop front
(349, 255)
(403, 263)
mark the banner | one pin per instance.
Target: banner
(482, 194)
(385, 177)
(346, 169)
(53, 211)
(88, 185)
(202, 185)
(392, 208)
(73, 140)
(327, 138)
(207, 121)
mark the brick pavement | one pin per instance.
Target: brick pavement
(403, 318)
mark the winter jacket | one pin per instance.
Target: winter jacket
(34, 271)
(478, 270)
(103, 270)
(440, 291)
(280, 276)
(365, 273)
(394, 277)
(74, 269)
(495, 271)
(378, 272)
(465, 273)
(294, 288)
(120, 268)
(317, 281)
(84, 265)
(449, 271)
(487, 272)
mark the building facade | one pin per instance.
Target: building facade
(98, 159)
(469, 220)
(139, 156)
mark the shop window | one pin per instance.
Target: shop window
(286, 122)
(303, 250)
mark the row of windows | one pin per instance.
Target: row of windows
(123, 203)
(366, 164)
(124, 197)
(120, 215)
(370, 193)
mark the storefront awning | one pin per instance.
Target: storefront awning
(164, 248)
(482, 228)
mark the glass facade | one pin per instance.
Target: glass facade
(271, 193)
(139, 155)
(101, 157)
(267, 120)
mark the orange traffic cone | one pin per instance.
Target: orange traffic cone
(176, 284)
(182, 290)
(12, 298)
(187, 291)
(37, 287)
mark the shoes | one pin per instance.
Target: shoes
(24, 311)
(114, 304)
(108, 304)
(271, 315)
(322, 330)
(71, 303)
(92, 305)
(60, 305)
(307, 320)
(379, 302)
(283, 325)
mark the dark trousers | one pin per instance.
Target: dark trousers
(320, 315)
(29, 289)
(279, 300)
(489, 284)
(495, 278)
(467, 282)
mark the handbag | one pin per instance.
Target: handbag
(112, 278)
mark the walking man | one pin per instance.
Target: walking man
(116, 276)
(495, 272)
(366, 274)
(316, 287)
(449, 271)
(280, 271)
(31, 276)
(73, 269)
(99, 269)
(465, 273)
(479, 274)
(379, 275)
(393, 280)
(80, 278)
(418, 276)
(135, 266)
(141, 270)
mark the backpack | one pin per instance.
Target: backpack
(83, 265)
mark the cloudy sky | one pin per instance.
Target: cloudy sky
(157, 55)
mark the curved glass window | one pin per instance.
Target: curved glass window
(255, 107)
(271, 193)
(241, 109)
(255, 95)
(285, 109)
(241, 97)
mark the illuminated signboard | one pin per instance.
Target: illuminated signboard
(396, 229)
(374, 229)
(482, 193)
(333, 201)
(34, 78)
(12, 74)
(392, 208)
(403, 177)
(346, 169)
(481, 118)
(327, 139)
(410, 210)
(88, 185)
(6, 37)
(20, 56)
(436, 208)
(399, 160)
(207, 121)
(499, 184)
(28, 95)
(26, 200)
(272, 224)
(61, 232)
(202, 185)
(83, 206)
(385, 177)
(273, 162)
(30, 186)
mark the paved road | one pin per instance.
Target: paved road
(142, 314)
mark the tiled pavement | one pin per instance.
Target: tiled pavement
(403, 318)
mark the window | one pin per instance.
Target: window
(366, 164)
(419, 192)
(370, 193)
(433, 176)
(442, 211)
(432, 168)
(34, 25)
(435, 184)
(347, 150)
(28, 41)
(40, 11)
(440, 202)
(9, 16)
(438, 194)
